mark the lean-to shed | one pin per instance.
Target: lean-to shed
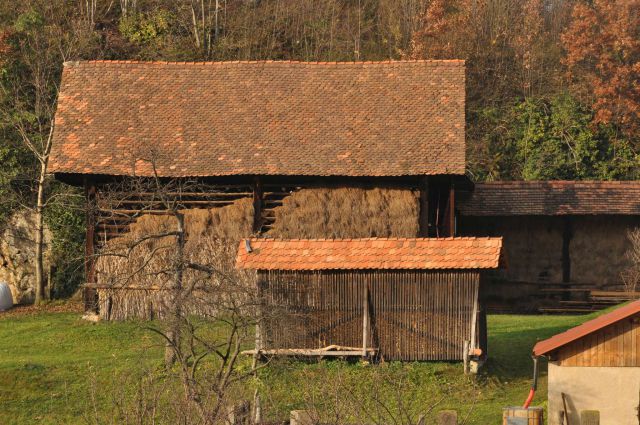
(596, 366)
(400, 299)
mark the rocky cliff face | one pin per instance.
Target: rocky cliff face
(17, 254)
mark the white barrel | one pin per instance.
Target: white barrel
(6, 299)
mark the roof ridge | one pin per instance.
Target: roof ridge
(382, 62)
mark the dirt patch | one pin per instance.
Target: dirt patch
(33, 310)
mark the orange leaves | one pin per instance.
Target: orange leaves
(603, 59)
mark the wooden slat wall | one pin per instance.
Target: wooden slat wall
(416, 315)
(616, 345)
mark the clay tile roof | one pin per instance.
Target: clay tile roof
(374, 253)
(552, 198)
(272, 118)
(548, 345)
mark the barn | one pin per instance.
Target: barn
(285, 149)
(301, 150)
(564, 239)
(594, 369)
(393, 299)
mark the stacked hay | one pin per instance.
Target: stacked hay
(135, 272)
(347, 213)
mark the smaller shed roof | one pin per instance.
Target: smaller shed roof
(372, 253)
(548, 345)
(510, 198)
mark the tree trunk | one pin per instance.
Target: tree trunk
(173, 331)
(39, 237)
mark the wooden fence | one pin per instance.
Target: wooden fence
(401, 314)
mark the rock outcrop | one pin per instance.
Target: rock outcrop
(17, 255)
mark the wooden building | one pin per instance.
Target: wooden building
(258, 130)
(596, 366)
(563, 239)
(267, 131)
(396, 299)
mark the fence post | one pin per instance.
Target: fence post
(448, 417)
(465, 357)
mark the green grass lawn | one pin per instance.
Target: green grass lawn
(55, 368)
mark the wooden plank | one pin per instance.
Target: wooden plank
(423, 218)
(567, 234)
(90, 295)
(258, 200)
(452, 209)
(365, 320)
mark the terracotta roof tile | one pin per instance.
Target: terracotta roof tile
(272, 118)
(372, 253)
(552, 198)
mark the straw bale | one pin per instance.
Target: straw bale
(347, 213)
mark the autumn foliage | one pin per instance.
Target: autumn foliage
(603, 59)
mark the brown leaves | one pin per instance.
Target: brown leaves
(603, 59)
(5, 47)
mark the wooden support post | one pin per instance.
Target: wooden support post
(257, 205)
(259, 330)
(423, 219)
(465, 357)
(90, 294)
(452, 210)
(474, 319)
(567, 234)
(365, 321)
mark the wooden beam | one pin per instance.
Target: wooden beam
(90, 294)
(309, 352)
(567, 234)
(423, 218)
(452, 209)
(365, 320)
(258, 199)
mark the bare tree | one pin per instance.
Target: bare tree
(206, 310)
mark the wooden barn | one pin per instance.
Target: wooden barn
(393, 299)
(321, 150)
(594, 370)
(287, 137)
(564, 239)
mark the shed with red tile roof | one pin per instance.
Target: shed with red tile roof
(400, 298)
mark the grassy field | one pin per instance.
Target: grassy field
(56, 368)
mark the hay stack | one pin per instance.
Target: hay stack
(347, 213)
(139, 276)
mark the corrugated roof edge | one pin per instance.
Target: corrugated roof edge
(551, 344)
